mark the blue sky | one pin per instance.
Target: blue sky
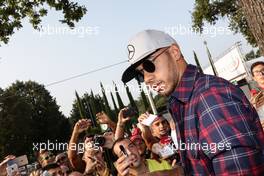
(110, 24)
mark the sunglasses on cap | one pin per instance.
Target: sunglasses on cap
(148, 64)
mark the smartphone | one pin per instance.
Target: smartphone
(122, 148)
(130, 112)
(19, 161)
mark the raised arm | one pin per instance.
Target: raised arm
(120, 128)
(74, 157)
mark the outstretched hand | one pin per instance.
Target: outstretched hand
(82, 125)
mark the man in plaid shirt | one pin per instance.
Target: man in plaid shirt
(218, 131)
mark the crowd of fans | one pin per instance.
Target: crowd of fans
(139, 152)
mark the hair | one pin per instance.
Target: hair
(254, 65)
(88, 136)
(51, 166)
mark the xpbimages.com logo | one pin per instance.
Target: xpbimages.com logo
(206, 147)
(60, 146)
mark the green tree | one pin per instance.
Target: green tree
(88, 111)
(119, 100)
(161, 103)
(144, 100)
(74, 114)
(109, 112)
(29, 115)
(130, 97)
(244, 17)
(86, 99)
(197, 62)
(13, 12)
(80, 106)
(114, 103)
(15, 126)
(96, 103)
(252, 55)
(211, 61)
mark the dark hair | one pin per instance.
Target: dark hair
(50, 166)
(254, 65)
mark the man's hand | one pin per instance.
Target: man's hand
(141, 118)
(3, 164)
(82, 125)
(257, 100)
(35, 173)
(120, 129)
(101, 167)
(121, 119)
(260, 100)
(122, 165)
(90, 164)
(103, 118)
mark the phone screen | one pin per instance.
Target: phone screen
(122, 148)
(20, 161)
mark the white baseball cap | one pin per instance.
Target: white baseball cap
(141, 46)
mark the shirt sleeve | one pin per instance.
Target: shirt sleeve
(231, 128)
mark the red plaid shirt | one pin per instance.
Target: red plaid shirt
(218, 124)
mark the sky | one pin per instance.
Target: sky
(99, 40)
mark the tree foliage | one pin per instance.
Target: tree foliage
(13, 12)
(211, 11)
(29, 114)
(119, 100)
(252, 55)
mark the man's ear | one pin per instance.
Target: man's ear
(175, 52)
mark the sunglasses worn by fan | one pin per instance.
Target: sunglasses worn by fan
(259, 72)
(148, 64)
(46, 157)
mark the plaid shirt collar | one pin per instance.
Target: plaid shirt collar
(185, 88)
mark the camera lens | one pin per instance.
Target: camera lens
(99, 140)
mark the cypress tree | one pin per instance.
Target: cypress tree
(119, 100)
(197, 62)
(107, 106)
(143, 96)
(114, 103)
(80, 105)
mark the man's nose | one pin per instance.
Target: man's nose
(148, 78)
